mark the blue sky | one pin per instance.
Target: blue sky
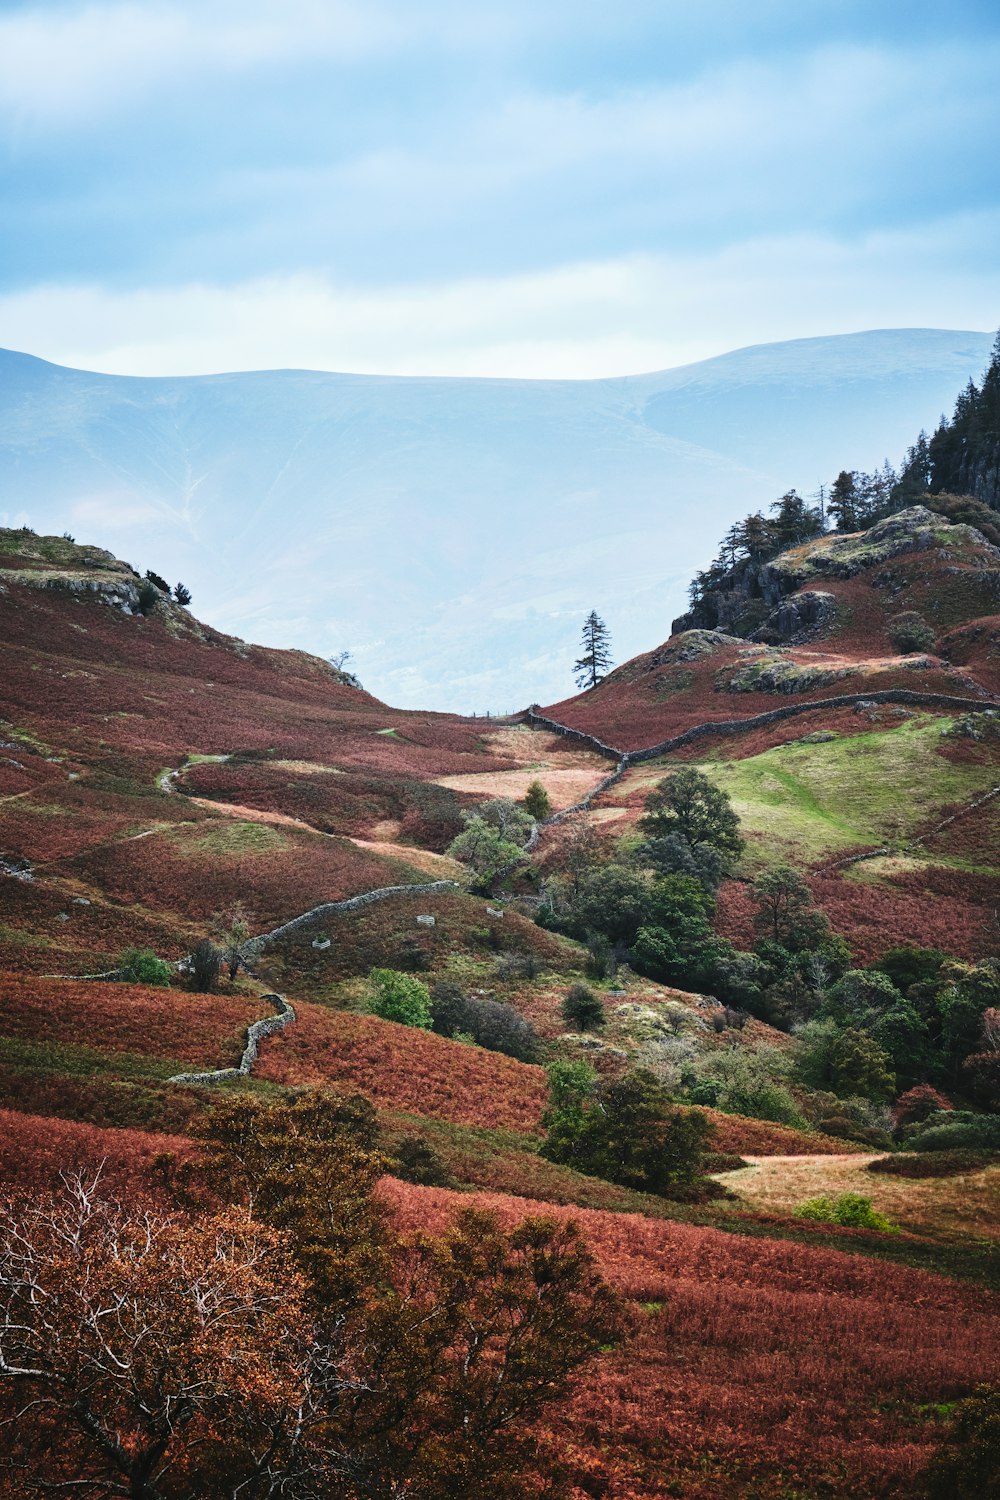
(557, 188)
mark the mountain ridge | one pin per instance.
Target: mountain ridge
(452, 531)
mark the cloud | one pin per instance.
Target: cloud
(71, 61)
(618, 316)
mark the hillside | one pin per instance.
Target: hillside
(158, 776)
(481, 518)
(831, 740)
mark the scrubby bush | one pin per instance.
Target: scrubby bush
(852, 1119)
(517, 963)
(583, 1009)
(851, 1210)
(400, 997)
(931, 1163)
(141, 966)
(967, 1465)
(917, 1104)
(909, 632)
(416, 1161)
(488, 1023)
(752, 1083)
(148, 597)
(957, 1130)
(205, 963)
(537, 802)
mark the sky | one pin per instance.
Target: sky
(530, 188)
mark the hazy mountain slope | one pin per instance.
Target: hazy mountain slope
(453, 532)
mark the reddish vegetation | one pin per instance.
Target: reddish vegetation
(200, 1031)
(44, 931)
(737, 1134)
(334, 801)
(875, 917)
(37, 1150)
(659, 695)
(936, 908)
(406, 1069)
(734, 914)
(755, 1360)
(191, 874)
(82, 674)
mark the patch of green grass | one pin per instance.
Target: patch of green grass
(83, 1062)
(229, 836)
(803, 802)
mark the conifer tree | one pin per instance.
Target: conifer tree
(596, 659)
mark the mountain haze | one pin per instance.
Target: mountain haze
(453, 532)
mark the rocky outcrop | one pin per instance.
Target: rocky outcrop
(797, 618)
(777, 600)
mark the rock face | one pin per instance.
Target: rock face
(797, 617)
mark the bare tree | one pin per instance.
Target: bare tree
(140, 1353)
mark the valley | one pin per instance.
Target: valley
(166, 788)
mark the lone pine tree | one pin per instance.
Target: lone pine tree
(596, 658)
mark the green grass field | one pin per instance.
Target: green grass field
(808, 802)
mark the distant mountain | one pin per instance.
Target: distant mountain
(454, 532)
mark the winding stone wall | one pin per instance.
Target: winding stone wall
(352, 903)
(256, 1033)
(628, 758)
(791, 710)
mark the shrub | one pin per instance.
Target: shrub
(967, 1465)
(537, 801)
(909, 632)
(851, 1210)
(400, 997)
(582, 1008)
(517, 964)
(416, 1161)
(157, 581)
(917, 1104)
(623, 1130)
(141, 966)
(148, 597)
(182, 594)
(205, 963)
(488, 1023)
(959, 1130)
(600, 962)
(931, 1163)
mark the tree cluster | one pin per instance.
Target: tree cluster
(623, 1129)
(276, 1336)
